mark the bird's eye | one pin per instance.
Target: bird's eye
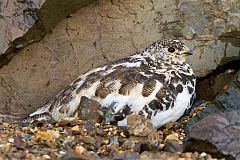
(171, 49)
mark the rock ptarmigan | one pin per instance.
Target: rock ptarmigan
(156, 83)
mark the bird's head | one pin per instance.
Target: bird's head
(170, 50)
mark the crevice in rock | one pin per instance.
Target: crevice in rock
(233, 65)
(210, 85)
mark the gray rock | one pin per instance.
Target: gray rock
(238, 78)
(28, 21)
(173, 147)
(71, 155)
(127, 155)
(227, 100)
(110, 30)
(88, 110)
(217, 134)
(89, 140)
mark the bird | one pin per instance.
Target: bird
(155, 82)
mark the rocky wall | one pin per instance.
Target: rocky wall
(111, 29)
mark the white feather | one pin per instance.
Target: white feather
(172, 114)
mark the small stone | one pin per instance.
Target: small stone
(68, 122)
(89, 140)
(49, 135)
(97, 124)
(106, 141)
(69, 140)
(122, 134)
(141, 126)
(76, 130)
(169, 125)
(80, 149)
(5, 125)
(188, 155)
(166, 131)
(109, 134)
(46, 156)
(55, 134)
(99, 131)
(89, 126)
(126, 155)
(99, 141)
(62, 152)
(113, 139)
(172, 137)
(11, 140)
(115, 132)
(173, 147)
(203, 154)
(19, 143)
(26, 129)
(128, 145)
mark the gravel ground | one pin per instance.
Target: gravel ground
(79, 139)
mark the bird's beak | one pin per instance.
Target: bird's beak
(187, 52)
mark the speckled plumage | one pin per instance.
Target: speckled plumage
(156, 83)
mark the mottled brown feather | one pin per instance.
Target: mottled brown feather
(148, 87)
(116, 74)
(90, 79)
(126, 88)
(161, 93)
(102, 91)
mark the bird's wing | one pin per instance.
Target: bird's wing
(97, 82)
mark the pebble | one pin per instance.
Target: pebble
(89, 140)
(203, 154)
(188, 155)
(5, 124)
(80, 149)
(55, 134)
(62, 152)
(169, 125)
(99, 131)
(122, 134)
(172, 137)
(11, 140)
(46, 156)
(48, 135)
(173, 146)
(106, 140)
(26, 129)
(76, 130)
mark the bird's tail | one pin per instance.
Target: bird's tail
(40, 114)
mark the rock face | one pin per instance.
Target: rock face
(227, 100)
(217, 134)
(109, 30)
(16, 19)
(216, 128)
(23, 22)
